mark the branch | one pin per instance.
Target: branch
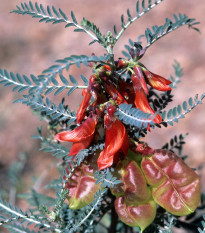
(51, 15)
(31, 219)
(50, 109)
(139, 14)
(158, 32)
(174, 114)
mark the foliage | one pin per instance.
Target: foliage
(108, 171)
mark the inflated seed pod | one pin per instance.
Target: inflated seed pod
(175, 186)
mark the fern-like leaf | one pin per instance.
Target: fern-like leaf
(202, 230)
(93, 28)
(43, 84)
(176, 113)
(134, 116)
(158, 32)
(49, 146)
(16, 214)
(48, 108)
(141, 9)
(64, 64)
(15, 228)
(176, 144)
(178, 74)
(21, 83)
(50, 14)
(106, 178)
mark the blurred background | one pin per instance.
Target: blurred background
(28, 47)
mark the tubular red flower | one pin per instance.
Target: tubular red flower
(113, 92)
(77, 146)
(141, 101)
(87, 96)
(127, 91)
(157, 82)
(84, 105)
(81, 133)
(116, 139)
(139, 77)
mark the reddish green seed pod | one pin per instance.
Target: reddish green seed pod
(133, 186)
(82, 184)
(141, 215)
(175, 186)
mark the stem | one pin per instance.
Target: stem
(114, 219)
(28, 218)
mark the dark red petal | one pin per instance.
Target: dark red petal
(125, 145)
(104, 160)
(113, 92)
(142, 103)
(116, 139)
(157, 82)
(127, 91)
(77, 146)
(84, 105)
(139, 77)
(82, 132)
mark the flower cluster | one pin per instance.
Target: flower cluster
(101, 99)
(149, 177)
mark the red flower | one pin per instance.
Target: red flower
(87, 96)
(81, 136)
(84, 104)
(141, 101)
(112, 91)
(157, 82)
(116, 140)
(127, 91)
(140, 79)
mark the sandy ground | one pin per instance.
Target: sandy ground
(27, 46)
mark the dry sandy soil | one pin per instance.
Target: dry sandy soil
(27, 46)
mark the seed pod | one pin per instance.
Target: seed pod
(81, 185)
(133, 186)
(141, 215)
(175, 186)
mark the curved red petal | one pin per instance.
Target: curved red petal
(157, 82)
(139, 77)
(142, 103)
(82, 132)
(113, 92)
(83, 106)
(104, 161)
(125, 145)
(116, 139)
(127, 91)
(77, 146)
